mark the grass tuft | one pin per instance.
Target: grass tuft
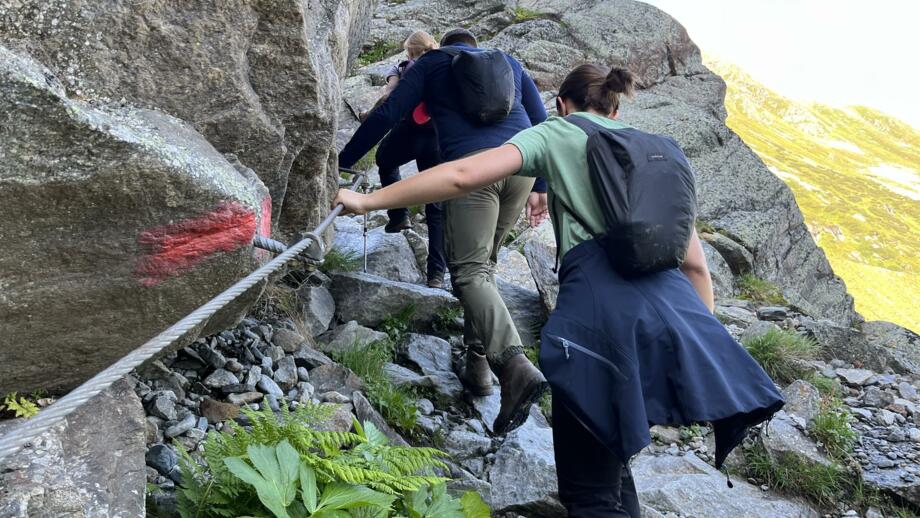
(832, 429)
(757, 290)
(779, 353)
(705, 227)
(523, 14)
(396, 404)
(340, 261)
(823, 485)
(378, 51)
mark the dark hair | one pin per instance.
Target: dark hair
(592, 86)
(455, 36)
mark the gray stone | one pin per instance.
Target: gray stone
(739, 259)
(366, 413)
(773, 313)
(388, 255)
(886, 417)
(735, 315)
(268, 386)
(347, 336)
(665, 434)
(303, 374)
(286, 374)
(245, 398)
(908, 391)
(220, 379)
(253, 375)
(524, 474)
(803, 400)
(341, 419)
(91, 464)
(781, 438)
(899, 347)
(317, 308)
(234, 366)
(723, 280)
(542, 260)
(107, 177)
(462, 445)
(162, 458)
(425, 406)
(401, 376)
(432, 355)
(310, 358)
(335, 378)
(275, 353)
(687, 486)
(856, 377)
(526, 311)
(487, 408)
(894, 481)
(334, 397)
(162, 404)
(876, 397)
(846, 344)
(288, 340)
(369, 300)
(512, 267)
(758, 329)
(179, 428)
(305, 392)
(213, 358)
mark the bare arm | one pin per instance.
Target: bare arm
(697, 271)
(446, 181)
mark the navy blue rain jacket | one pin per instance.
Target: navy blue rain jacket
(625, 354)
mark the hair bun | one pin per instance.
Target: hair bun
(621, 81)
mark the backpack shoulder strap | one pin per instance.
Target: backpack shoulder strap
(589, 127)
(450, 51)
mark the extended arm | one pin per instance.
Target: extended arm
(697, 271)
(404, 97)
(444, 182)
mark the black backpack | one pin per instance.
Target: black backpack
(485, 83)
(646, 190)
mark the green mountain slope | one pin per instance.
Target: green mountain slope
(855, 173)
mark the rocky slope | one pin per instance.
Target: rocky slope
(854, 174)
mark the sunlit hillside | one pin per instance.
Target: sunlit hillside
(856, 175)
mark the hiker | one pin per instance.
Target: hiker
(413, 138)
(624, 349)
(477, 99)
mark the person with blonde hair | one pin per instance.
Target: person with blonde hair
(414, 138)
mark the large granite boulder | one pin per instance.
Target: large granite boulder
(259, 78)
(688, 486)
(117, 222)
(369, 300)
(91, 464)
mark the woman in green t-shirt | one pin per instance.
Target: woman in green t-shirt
(620, 353)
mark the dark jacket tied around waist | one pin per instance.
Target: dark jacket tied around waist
(625, 354)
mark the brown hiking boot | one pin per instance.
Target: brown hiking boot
(476, 374)
(522, 385)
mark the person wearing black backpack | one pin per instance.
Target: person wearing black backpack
(478, 99)
(632, 341)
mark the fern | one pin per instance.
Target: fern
(19, 406)
(363, 459)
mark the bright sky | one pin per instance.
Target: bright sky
(838, 52)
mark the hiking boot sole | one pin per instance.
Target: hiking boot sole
(522, 408)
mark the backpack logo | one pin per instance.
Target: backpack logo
(656, 157)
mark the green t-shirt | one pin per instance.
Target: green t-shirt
(555, 150)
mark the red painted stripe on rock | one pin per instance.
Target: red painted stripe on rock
(173, 249)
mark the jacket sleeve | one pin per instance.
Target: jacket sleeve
(533, 105)
(402, 100)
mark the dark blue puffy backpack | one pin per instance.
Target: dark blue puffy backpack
(646, 190)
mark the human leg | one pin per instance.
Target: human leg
(593, 483)
(393, 151)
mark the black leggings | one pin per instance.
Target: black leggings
(405, 143)
(593, 483)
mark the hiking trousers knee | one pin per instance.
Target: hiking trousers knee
(593, 483)
(475, 227)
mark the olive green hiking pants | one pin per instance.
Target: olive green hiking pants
(476, 225)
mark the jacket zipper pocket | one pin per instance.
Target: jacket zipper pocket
(567, 344)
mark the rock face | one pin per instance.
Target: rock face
(90, 465)
(259, 78)
(141, 220)
(369, 299)
(688, 486)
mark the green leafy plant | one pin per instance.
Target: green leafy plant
(378, 51)
(523, 14)
(367, 161)
(397, 326)
(832, 428)
(337, 260)
(755, 289)
(446, 319)
(283, 465)
(828, 387)
(19, 406)
(779, 352)
(435, 502)
(396, 404)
